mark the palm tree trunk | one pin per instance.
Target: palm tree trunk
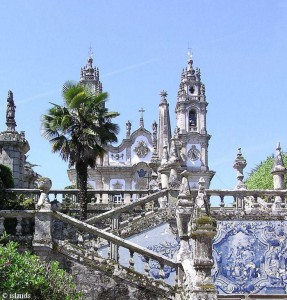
(82, 175)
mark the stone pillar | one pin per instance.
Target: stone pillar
(278, 171)
(42, 240)
(196, 231)
(200, 284)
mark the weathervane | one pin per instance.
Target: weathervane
(91, 50)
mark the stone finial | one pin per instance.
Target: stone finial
(278, 170)
(165, 157)
(10, 113)
(278, 161)
(128, 129)
(154, 134)
(141, 118)
(173, 156)
(154, 127)
(201, 199)
(163, 95)
(190, 71)
(198, 74)
(44, 185)
(239, 165)
(184, 187)
(202, 90)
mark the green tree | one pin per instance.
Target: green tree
(79, 130)
(260, 177)
(26, 274)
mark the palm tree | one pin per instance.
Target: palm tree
(79, 130)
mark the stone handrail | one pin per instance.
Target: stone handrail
(17, 213)
(163, 260)
(243, 199)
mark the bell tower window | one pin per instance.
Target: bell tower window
(192, 120)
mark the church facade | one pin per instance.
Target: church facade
(145, 157)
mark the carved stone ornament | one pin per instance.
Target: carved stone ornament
(141, 149)
(117, 156)
(117, 185)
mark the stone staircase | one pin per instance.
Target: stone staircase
(111, 266)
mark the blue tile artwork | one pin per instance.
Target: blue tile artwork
(250, 257)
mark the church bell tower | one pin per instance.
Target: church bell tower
(191, 133)
(90, 77)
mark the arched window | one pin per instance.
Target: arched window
(192, 120)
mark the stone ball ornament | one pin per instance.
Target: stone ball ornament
(44, 184)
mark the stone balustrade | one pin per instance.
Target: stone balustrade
(115, 242)
(17, 222)
(225, 205)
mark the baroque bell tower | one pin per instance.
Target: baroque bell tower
(90, 76)
(191, 134)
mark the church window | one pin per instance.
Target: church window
(192, 119)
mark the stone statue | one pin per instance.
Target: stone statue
(128, 128)
(10, 114)
(153, 184)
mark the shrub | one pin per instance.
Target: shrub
(25, 273)
(6, 177)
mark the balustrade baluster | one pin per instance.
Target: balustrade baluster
(234, 201)
(176, 276)
(146, 266)
(2, 227)
(55, 196)
(255, 201)
(131, 260)
(222, 204)
(269, 201)
(282, 201)
(19, 226)
(161, 272)
(109, 251)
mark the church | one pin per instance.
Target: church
(143, 157)
(239, 250)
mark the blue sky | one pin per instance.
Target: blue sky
(140, 48)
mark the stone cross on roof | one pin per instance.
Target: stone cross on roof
(141, 118)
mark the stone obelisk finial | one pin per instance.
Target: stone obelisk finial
(10, 113)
